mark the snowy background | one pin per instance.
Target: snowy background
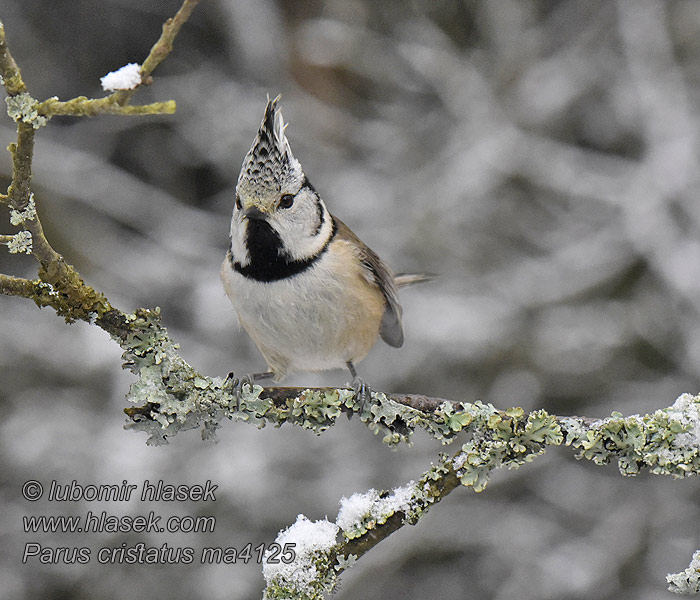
(541, 156)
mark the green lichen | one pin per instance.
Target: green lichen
(20, 243)
(437, 471)
(318, 589)
(454, 418)
(66, 292)
(397, 421)
(315, 410)
(504, 439)
(18, 217)
(324, 584)
(251, 407)
(363, 512)
(667, 442)
(343, 563)
(23, 108)
(162, 376)
(177, 397)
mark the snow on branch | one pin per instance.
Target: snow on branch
(688, 581)
(366, 519)
(126, 78)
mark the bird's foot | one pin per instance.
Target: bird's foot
(363, 395)
(237, 384)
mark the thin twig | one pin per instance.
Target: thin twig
(60, 285)
(19, 193)
(9, 71)
(17, 286)
(87, 107)
(160, 49)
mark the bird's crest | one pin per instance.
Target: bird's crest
(269, 161)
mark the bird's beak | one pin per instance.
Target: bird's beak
(254, 214)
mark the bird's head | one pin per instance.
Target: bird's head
(275, 203)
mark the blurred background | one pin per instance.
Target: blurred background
(541, 156)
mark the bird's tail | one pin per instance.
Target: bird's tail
(404, 279)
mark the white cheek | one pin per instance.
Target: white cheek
(298, 232)
(238, 247)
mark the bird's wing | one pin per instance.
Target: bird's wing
(380, 275)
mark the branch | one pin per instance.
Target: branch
(60, 285)
(117, 103)
(9, 71)
(363, 521)
(160, 49)
(86, 107)
(177, 398)
(17, 286)
(663, 441)
(172, 396)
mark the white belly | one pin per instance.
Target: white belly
(313, 321)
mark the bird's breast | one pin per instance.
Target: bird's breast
(320, 318)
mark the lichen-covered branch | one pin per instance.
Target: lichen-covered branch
(17, 286)
(173, 397)
(666, 442)
(170, 395)
(90, 107)
(9, 71)
(363, 521)
(59, 285)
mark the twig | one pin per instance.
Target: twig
(60, 285)
(17, 286)
(87, 107)
(160, 49)
(9, 71)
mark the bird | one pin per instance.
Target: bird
(309, 293)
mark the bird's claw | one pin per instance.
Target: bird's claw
(363, 393)
(237, 386)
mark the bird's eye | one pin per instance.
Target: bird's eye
(286, 201)
(239, 206)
